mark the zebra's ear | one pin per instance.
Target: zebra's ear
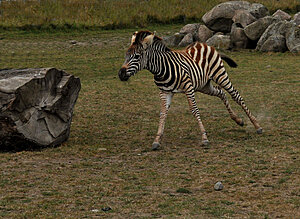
(148, 41)
(133, 37)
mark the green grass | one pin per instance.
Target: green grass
(111, 14)
(107, 160)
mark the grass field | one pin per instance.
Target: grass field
(112, 14)
(107, 162)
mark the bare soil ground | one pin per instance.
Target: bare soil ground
(107, 170)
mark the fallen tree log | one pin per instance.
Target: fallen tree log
(36, 107)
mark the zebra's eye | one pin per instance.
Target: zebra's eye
(137, 56)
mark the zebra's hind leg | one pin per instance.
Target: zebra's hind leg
(226, 84)
(165, 102)
(218, 92)
(195, 111)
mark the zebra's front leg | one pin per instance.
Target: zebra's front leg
(195, 111)
(165, 102)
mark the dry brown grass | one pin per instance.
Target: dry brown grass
(107, 161)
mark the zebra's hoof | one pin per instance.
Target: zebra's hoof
(259, 131)
(205, 143)
(241, 123)
(155, 146)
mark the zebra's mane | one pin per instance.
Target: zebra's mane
(139, 36)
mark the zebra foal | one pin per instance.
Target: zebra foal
(182, 72)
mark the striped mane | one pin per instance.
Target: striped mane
(139, 36)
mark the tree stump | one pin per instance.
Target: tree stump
(36, 107)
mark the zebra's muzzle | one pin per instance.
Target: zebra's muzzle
(122, 74)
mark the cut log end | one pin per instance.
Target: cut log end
(36, 107)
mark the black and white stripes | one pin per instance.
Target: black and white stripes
(182, 72)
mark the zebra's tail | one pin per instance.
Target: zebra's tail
(229, 61)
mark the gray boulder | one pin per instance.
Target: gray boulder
(187, 40)
(279, 28)
(220, 17)
(293, 39)
(36, 107)
(258, 10)
(282, 15)
(243, 18)
(204, 33)
(256, 29)
(189, 28)
(238, 37)
(173, 40)
(296, 18)
(275, 43)
(219, 41)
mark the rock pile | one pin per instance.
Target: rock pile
(240, 24)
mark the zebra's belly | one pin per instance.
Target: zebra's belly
(200, 86)
(169, 85)
(173, 89)
(199, 83)
(177, 91)
(168, 89)
(197, 87)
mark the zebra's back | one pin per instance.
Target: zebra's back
(208, 59)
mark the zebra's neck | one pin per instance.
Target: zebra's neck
(155, 58)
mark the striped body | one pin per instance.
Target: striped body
(182, 72)
(211, 64)
(197, 65)
(207, 59)
(178, 68)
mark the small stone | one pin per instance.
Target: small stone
(95, 210)
(218, 186)
(106, 209)
(73, 42)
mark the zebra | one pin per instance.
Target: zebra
(186, 71)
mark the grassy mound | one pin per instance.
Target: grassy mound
(104, 14)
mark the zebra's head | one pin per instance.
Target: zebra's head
(135, 58)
